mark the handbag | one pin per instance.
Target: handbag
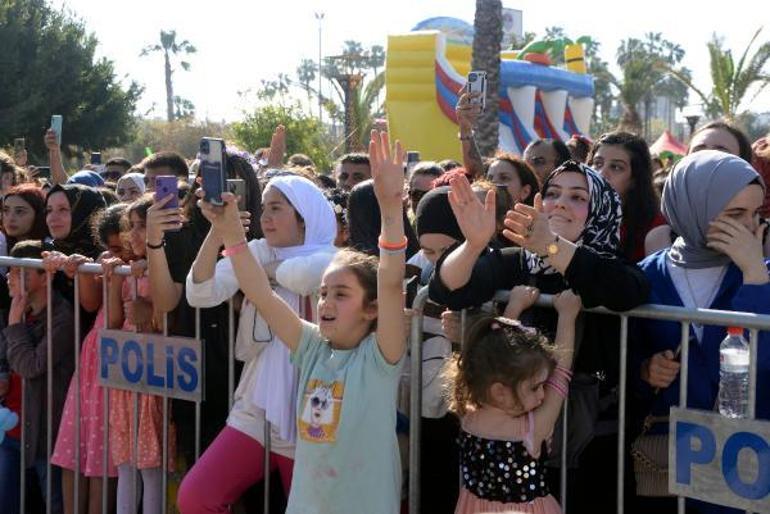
(650, 455)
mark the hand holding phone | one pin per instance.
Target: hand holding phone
(477, 83)
(56, 125)
(212, 169)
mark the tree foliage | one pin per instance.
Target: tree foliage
(644, 64)
(48, 67)
(731, 82)
(181, 136)
(304, 133)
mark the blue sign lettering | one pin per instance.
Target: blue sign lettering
(151, 363)
(761, 486)
(686, 454)
(108, 351)
(720, 460)
(189, 380)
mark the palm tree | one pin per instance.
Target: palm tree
(643, 63)
(306, 73)
(487, 38)
(170, 48)
(731, 83)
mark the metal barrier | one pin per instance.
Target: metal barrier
(753, 322)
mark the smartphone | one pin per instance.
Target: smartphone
(412, 158)
(56, 125)
(19, 145)
(212, 168)
(96, 158)
(43, 172)
(167, 185)
(477, 83)
(237, 186)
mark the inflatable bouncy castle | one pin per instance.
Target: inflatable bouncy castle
(426, 68)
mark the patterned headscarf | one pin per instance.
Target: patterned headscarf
(602, 228)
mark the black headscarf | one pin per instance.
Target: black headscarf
(434, 215)
(602, 228)
(364, 221)
(84, 203)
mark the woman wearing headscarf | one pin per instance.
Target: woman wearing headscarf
(299, 229)
(569, 239)
(69, 209)
(130, 187)
(437, 231)
(364, 221)
(712, 200)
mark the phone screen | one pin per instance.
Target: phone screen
(212, 169)
(167, 185)
(56, 125)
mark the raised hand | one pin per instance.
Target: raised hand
(467, 113)
(744, 248)
(528, 227)
(277, 148)
(50, 140)
(161, 219)
(387, 171)
(225, 219)
(476, 220)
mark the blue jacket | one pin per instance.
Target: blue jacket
(653, 336)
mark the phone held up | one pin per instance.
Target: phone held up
(477, 83)
(166, 185)
(212, 168)
(56, 125)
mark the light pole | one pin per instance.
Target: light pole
(320, 17)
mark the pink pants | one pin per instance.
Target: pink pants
(233, 463)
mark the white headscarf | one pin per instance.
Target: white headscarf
(136, 178)
(275, 388)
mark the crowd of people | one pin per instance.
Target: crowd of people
(315, 265)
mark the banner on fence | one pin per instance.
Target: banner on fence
(151, 363)
(720, 460)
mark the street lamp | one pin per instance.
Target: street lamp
(320, 17)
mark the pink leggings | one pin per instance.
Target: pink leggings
(233, 463)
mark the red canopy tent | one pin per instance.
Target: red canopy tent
(668, 143)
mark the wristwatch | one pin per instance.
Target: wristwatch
(552, 248)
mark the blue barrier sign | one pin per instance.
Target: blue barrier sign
(152, 364)
(719, 460)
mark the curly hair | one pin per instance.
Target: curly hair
(497, 350)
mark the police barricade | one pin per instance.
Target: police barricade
(173, 368)
(712, 458)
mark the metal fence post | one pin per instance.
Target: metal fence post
(415, 400)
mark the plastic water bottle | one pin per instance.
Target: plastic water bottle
(734, 374)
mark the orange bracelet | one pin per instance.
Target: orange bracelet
(392, 247)
(235, 249)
